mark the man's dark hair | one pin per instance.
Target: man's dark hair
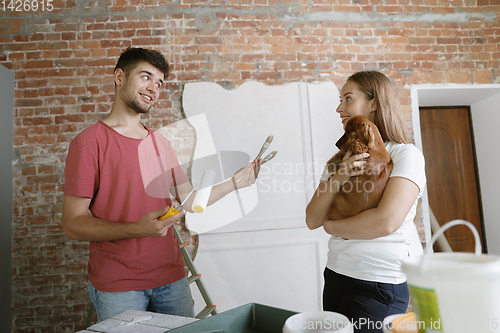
(132, 56)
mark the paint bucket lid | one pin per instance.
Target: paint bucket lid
(318, 322)
(453, 266)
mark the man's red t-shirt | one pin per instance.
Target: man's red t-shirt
(106, 166)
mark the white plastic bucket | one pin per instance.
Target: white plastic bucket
(455, 292)
(318, 322)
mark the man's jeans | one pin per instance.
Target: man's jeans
(174, 299)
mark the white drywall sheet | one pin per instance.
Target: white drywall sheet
(232, 125)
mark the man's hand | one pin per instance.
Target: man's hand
(79, 225)
(151, 225)
(247, 175)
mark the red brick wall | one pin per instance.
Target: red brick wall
(63, 61)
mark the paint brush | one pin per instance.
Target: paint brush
(269, 157)
(264, 146)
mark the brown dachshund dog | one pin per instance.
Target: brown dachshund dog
(364, 191)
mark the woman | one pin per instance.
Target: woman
(363, 277)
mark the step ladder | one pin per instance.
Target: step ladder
(210, 308)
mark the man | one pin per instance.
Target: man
(134, 259)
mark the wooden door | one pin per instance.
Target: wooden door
(451, 170)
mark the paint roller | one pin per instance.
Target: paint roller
(203, 194)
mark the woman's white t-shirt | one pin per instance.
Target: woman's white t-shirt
(380, 259)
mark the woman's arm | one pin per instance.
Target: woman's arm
(319, 205)
(397, 200)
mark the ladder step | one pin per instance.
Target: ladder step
(193, 278)
(205, 312)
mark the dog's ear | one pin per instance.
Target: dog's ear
(355, 145)
(366, 132)
(342, 141)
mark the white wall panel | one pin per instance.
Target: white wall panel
(267, 255)
(281, 268)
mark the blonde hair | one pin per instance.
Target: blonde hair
(389, 115)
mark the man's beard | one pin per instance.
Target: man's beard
(132, 101)
(136, 106)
